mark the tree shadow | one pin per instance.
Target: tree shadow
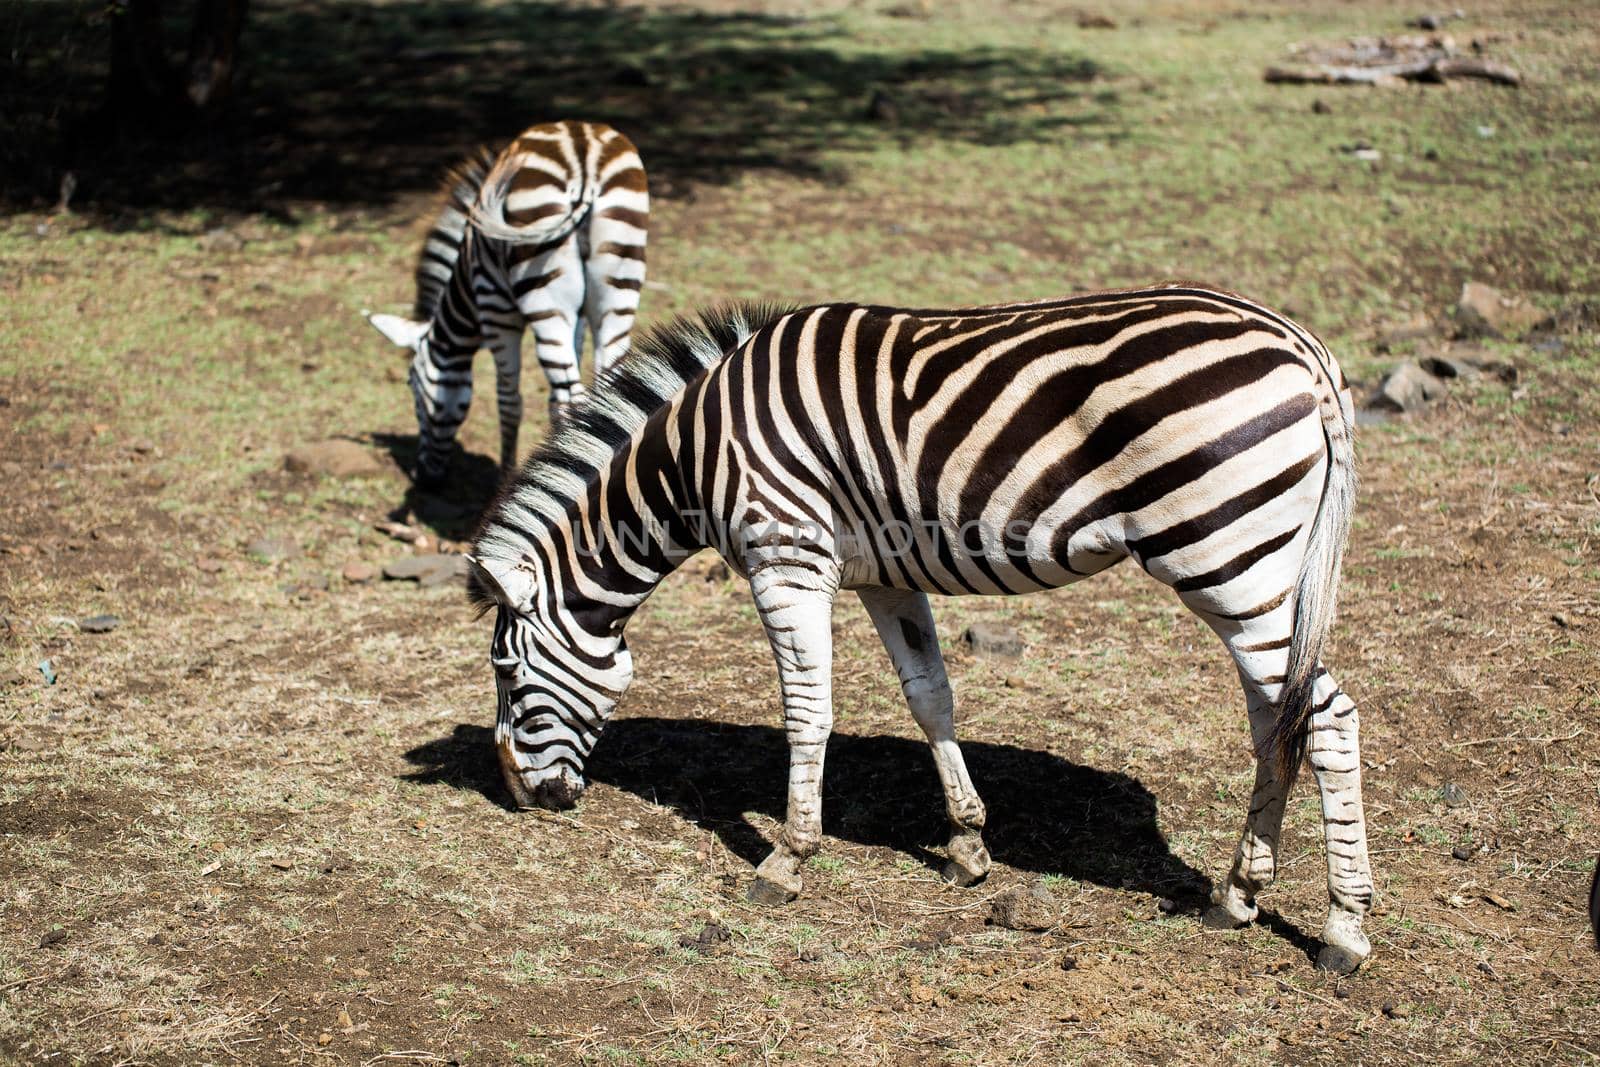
(452, 509)
(355, 102)
(1047, 815)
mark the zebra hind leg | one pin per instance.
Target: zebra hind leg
(904, 622)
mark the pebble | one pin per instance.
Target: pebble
(1462, 852)
(52, 937)
(1167, 905)
(208, 565)
(1396, 1011)
(99, 624)
(992, 639)
(427, 570)
(1016, 909)
(358, 572)
(1453, 795)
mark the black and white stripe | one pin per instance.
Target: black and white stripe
(898, 452)
(548, 234)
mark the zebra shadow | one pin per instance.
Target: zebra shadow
(1047, 815)
(450, 509)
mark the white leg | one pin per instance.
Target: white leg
(797, 612)
(905, 624)
(551, 301)
(1335, 754)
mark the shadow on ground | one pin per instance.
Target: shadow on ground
(451, 510)
(356, 102)
(1046, 814)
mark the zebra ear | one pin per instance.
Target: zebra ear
(510, 584)
(407, 333)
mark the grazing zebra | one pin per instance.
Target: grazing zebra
(992, 450)
(550, 233)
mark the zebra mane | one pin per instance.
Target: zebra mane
(659, 364)
(458, 190)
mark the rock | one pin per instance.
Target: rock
(1453, 795)
(1321, 107)
(208, 565)
(339, 459)
(220, 240)
(1167, 906)
(1484, 311)
(399, 531)
(1396, 1011)
(881, 108)
(1031, 909)
(1016, 681)
(1407, 387)
(427, 570)
(1448, 366)
(359, 573)
(1069, 963)
(1095, 20)
(992, 639)
(99, 624)
(272, 548)
(1416, 328)
(53, 936)
(47, 671)
(1462, 852)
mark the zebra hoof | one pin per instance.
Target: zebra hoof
(769, 893)
(1217, 917)
(956, 874)
(1336, 960)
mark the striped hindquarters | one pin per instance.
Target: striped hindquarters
(546, 181)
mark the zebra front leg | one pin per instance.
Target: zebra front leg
(905, 624)
(506, 346)
(1335, 754)
(797, 616)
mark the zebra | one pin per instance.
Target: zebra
(549, 233)
(906, 452)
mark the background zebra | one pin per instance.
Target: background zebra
(898, 453)
(549, 234)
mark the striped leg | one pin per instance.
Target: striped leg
(506, 346)
(549, 288)
(441, 386)
(905, 624)
(1335, 754)
(797, 614)
(1260, 651)
(615, 272)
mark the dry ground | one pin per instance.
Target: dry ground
(260, 821)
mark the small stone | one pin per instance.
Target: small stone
(220, 239)
(1396, 1011)
(282, 865)
(336, 458)
(143, 446)
(1167, 906)
(399, 531)
(53, 936)
(1321, 107)
(1016, 681)
(1069, 963)
(921, 994)
(1028, 910)
(344, 1019)
(1462, 852)
(1416, 328)
(881, 108)
(99, 624)
(1453, 795)
(208, 565)
(357, 572)
(428, 569)
(1484, 311)
(1448, 366)
(710, 936)
(1407, 387)
(1095, 20)
(47, 670)
(272, 548)
(324, 1038)
(992, 639)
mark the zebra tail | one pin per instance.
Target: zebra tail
(1317, 590)
(488, 214)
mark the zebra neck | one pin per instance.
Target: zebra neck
(630, 527)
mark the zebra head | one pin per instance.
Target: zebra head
(557, 683)
(440, 402)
